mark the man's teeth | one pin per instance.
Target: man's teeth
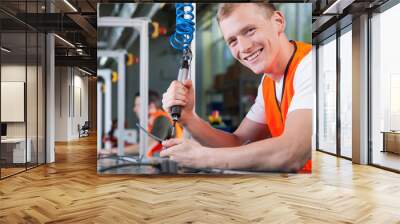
(253, 56)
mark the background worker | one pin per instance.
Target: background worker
(159, 125)
(279, 124)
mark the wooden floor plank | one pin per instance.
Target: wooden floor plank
(70, 191)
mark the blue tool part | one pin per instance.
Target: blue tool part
(185, 26)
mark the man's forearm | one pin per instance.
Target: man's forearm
(274, 154)
(209, 136)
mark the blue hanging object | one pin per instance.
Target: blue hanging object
(183, 35)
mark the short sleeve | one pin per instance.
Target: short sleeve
(302, 83)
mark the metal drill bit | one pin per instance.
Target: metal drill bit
(173, 134)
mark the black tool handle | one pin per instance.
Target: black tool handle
(176, 112)
(182, 75)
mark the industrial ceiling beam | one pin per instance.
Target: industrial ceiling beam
(84, 24)
(83, 61)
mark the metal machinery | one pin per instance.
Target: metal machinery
(141, 25)
(103, 86)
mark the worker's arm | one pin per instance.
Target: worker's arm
(183, 94)
(212, 137)
(286, 153)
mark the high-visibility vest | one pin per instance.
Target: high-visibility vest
(178, 130)
(275, 113)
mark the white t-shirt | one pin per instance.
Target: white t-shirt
(303, 92)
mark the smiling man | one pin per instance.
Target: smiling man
(279, 124)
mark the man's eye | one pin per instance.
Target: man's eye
(251, 31)
(232, 43)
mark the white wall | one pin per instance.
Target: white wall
(80, 83)
(61, 103)
(71, 93)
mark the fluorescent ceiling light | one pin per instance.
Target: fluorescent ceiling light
(5, 49)
(70, 5)
(65, 41)
(84, 71)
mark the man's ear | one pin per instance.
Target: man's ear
(280, 21)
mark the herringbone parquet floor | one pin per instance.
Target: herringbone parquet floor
(70, 191)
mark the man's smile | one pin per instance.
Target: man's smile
(253, 56)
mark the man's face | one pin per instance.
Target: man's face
(136, 106)
(252, 37)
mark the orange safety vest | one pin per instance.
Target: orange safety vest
(276, 114)
(178, 130)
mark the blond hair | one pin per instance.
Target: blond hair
(226, 9)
